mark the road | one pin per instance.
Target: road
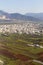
(38, 61)
(32, 45)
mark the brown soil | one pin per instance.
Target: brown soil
(40, 56)
(23, 57)
(11, 55)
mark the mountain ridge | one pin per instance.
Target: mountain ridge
(36, 15)
(18, 16)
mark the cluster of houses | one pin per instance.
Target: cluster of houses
(28, 28)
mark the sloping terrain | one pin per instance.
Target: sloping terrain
(15, 51)
(17, 16)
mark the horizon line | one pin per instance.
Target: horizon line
(21, 12)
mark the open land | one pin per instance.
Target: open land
(15, 49)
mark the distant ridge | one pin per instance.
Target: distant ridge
(18, 16)
(23, 17)
(36, 15)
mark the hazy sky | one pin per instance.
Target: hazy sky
(21, 6)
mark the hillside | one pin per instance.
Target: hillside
(5, 15)
(36, 15)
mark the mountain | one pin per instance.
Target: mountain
(3, 13)
(18, 16)
(23, 17)
(36, 15)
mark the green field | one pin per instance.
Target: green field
(14, 49)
